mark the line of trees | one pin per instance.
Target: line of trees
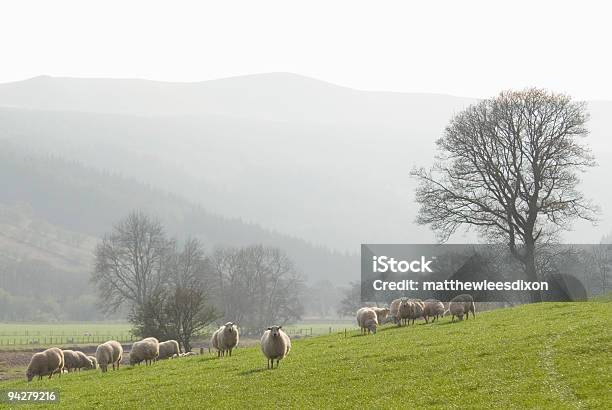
(175, 292)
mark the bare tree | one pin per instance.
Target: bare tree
(351, 301)
(602, 260)
(509, 167)
(180, 308)
(129, 262)
(257, 286)
(188, 302)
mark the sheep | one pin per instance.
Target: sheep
(462, 305)
(393, 315)
(168, 349)
(381, 314)
(225, 339)
(275, 345)
(433, 308)
(45, 363)
(367, 320)
(84, 361)
(416, 309)
(72, 361)
(146, 350)
(404, 311)
(94, 362)
(110, 352)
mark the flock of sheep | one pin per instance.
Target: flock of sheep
(275, 345)
(404, 310)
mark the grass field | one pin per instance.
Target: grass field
(42, 334)
(545, 356)
(36, 335)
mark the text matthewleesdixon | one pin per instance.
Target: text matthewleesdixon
(384, 264)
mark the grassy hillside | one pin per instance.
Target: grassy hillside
(545, 355)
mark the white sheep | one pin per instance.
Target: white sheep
(72, 361)
(225, 339)
(404, 311)
(393, 315)
(433, 308)
(108, 353)
(45, 363)
(367, 320)
(168, 349)
(84, 361)
(94, 362)
(416, 309)
(462, 305)
(145, 350)
(275, 345)
(381, 314)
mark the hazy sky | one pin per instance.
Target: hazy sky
(468, 48)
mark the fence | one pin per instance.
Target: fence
(29, 338)
(24, 340)
(317, 331)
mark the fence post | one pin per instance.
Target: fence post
(344, 332)
(330, 330)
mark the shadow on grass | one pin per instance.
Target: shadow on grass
(446, 323)
(253, 371)
(209, 358)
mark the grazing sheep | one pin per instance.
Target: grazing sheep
(433, 308)
(168, 349)
(145, 350)
(84, 361)
(107, 353)
(45, 363)
(462, 305)
(381, 314)
(404, 312)
(393, 315)
(72, 361)
(94, 362)
(416, 309)
(367, 320)
(225, 339)
(275, 345)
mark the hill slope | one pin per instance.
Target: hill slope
(76, 200)
(325, 163)
(545, 355)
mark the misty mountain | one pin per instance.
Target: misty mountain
(78, 205)
(299, 156)
(276, 97)
(292, 154)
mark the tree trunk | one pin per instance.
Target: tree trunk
(531, 272)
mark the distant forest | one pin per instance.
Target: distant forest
(52, 213)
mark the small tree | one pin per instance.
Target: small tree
(509, 167)
(257, 286)
(351, 301)
(129, 262)
(181, 308)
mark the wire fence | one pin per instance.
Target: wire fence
(22, 340)
(35, 338)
